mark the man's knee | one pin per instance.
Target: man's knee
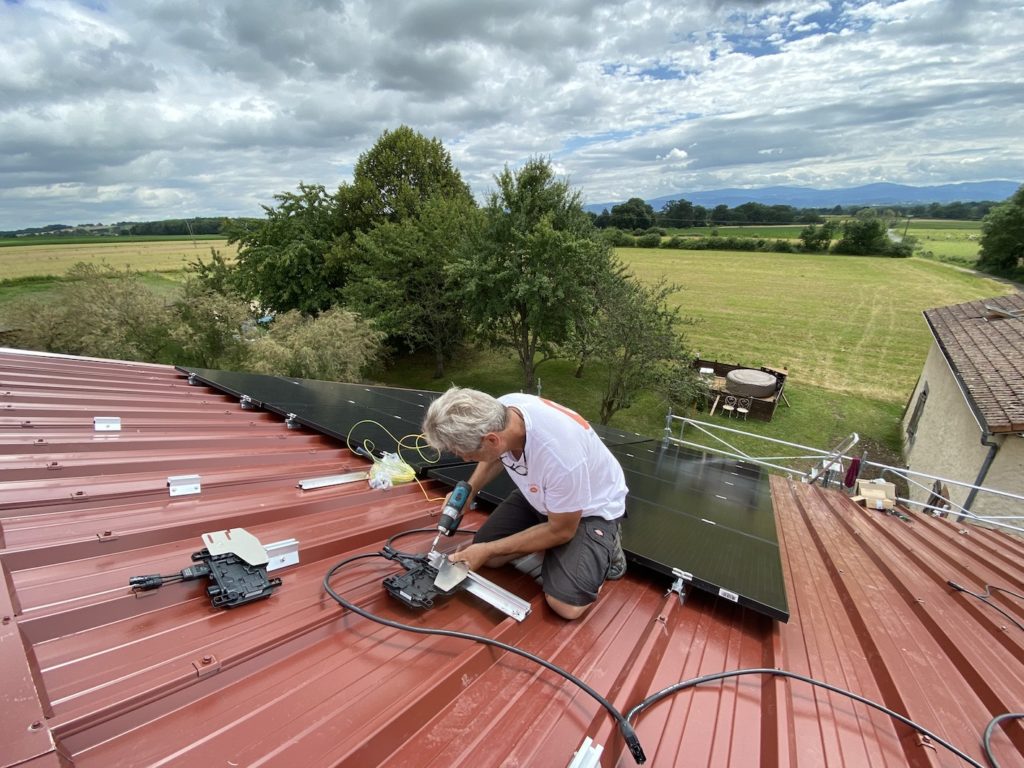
(565, 610)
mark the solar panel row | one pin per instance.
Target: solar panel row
(706, 520)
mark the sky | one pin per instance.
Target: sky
(133, 111)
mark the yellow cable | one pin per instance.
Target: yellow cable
(408, 473)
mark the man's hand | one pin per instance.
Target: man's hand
(475, 556)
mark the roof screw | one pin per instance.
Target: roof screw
(6, 620)
(108, 533)
(36, 725)
(207, 659)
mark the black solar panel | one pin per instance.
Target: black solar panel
(355, 412)
(692, 514)
(707, 519)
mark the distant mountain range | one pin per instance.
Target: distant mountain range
(868, 194)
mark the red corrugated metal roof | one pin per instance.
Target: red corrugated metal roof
(91, 674)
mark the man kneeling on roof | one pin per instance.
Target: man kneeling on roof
(570, 491)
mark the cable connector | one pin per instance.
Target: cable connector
(144, 583)
(633, 742)
(195, 572)
(955, 586)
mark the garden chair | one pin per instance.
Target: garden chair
(729, 406)
(743, 407)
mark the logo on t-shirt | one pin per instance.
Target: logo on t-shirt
(534, 489)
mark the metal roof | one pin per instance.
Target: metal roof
(91, 674)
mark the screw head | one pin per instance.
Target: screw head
(207, 659)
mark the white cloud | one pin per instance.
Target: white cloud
(203, 108)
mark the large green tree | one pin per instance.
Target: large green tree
(632, 214)
(298, 257)
(289, 259)
(678, 214)
(397, 175)
(520, 276)
(400, 276)
(641, 344)
(1002, 238)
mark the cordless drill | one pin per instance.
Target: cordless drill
(451, 515)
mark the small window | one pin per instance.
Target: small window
(922, 398)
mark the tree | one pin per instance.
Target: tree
(289, 260)
(640, 343)
(334, 346)
(400, 276)
(817, 239)
(398, 174)
(677, 213)
(632, 214)
(1002, 238)
(862, 236)
(520, 274)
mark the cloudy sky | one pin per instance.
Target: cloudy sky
(114, 110)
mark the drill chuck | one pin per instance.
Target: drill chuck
(451, 515)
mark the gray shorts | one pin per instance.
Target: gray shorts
(572, 572)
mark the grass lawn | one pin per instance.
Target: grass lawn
(766, 231)
(848, 329)
(955, 242)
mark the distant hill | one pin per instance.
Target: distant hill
(868, 194)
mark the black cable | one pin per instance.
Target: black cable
(984, 598)
(627, 730)
(400, 534)
(986, 741)
(654, 698)
(632, 741)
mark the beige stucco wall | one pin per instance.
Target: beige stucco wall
(948, 444)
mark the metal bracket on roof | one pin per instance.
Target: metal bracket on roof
(588, 755)
(106, 423)
(281, 554)
(324, 482)
(206, 665)
(183, 485)
(292, 421)
(679, 585)
(489, 592)
(247, 403)
(193, 379)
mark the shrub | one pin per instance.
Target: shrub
(618, 238)
(99, 312)
(650, 240)
(337, 345)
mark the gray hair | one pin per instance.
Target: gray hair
(458, 420)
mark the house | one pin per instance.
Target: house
(965, 418)
(94, 674)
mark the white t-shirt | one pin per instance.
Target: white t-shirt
(565, 467)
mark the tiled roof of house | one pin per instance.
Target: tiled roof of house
(984, 343)
(94, 675)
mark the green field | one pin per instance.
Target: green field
(956, 242)
(774, 231)
(163, 255)
(848, 329)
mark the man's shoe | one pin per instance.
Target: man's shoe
(617, 567)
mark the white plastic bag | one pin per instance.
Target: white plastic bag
(390, 469)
